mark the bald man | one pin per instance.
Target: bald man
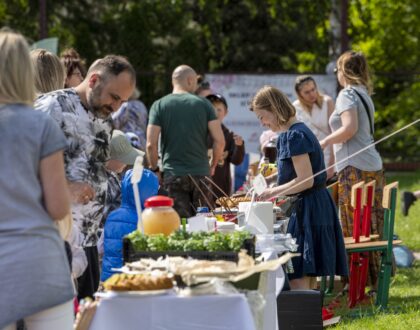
(184, 121)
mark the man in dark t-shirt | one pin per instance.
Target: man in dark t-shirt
(184, 120)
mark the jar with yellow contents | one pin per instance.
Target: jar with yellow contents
(159, 217)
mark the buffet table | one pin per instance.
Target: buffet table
(170, 312)
(209, 312)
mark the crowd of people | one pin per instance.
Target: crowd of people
(78, 130)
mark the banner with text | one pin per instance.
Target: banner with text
(238, 89)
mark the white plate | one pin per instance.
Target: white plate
(108, 294)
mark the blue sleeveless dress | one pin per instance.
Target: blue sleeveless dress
(314, 223)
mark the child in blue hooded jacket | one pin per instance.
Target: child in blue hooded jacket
(123, 220)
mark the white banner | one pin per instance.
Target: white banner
(238, 89)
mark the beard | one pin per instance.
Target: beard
(102, 111)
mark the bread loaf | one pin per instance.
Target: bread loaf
(137, 282)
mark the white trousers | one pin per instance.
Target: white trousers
(57, 317)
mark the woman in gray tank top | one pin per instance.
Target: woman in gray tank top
(35, 274)
(352, 125)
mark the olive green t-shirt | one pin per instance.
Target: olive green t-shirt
(183, 119)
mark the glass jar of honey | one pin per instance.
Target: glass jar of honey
(159, 217)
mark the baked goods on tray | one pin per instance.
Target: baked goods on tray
(232, 201)
(138, 282)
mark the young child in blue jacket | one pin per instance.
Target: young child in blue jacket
(123, 220)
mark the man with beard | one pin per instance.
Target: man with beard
(83, 113)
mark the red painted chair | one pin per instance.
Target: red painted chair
(357, 191)
(369, 193)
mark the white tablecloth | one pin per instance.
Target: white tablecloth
(170, 312)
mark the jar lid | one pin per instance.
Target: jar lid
(158, 201)
(202, 209)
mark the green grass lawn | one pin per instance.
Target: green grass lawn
(404, 298)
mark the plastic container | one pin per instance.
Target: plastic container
(270, 150)
(159, 217)
(204, 210)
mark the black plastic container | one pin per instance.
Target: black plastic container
(299, 310)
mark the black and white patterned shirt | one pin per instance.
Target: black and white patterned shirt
(87, 151)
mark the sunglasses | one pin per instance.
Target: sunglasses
(303, 80)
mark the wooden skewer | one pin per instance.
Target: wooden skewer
(192, 205)
(211, 206)
(220, 189)
(223, 203)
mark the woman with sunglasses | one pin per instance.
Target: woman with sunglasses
(315, 109)
(352, 125)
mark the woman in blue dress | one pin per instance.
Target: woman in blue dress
(314, 222)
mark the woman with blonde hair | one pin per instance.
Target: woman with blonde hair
(49, 71)
(314, 221)
(352, 124)
(314, 109)
(35, 275)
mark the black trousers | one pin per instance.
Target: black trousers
(88, 282)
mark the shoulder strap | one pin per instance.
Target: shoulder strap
(366, 108)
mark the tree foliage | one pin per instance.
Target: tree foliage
(280, 36)
(388, 32)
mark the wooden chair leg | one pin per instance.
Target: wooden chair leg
(330, 288)
(389, 204)
(366, 224)
(354, 284)
(323, 284)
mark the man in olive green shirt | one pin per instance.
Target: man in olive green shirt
(184, 121)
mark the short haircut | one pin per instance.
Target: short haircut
(273, 100)
(181, 73)
(72, 61)
(16, 70)
(49, 71)
(113, 65)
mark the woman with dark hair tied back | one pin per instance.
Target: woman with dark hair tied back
(315, 109)
(35, 275)
(203, 87)
(75, 67)
(314, 221)
(352, 124)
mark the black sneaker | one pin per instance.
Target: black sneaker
(407, 199)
